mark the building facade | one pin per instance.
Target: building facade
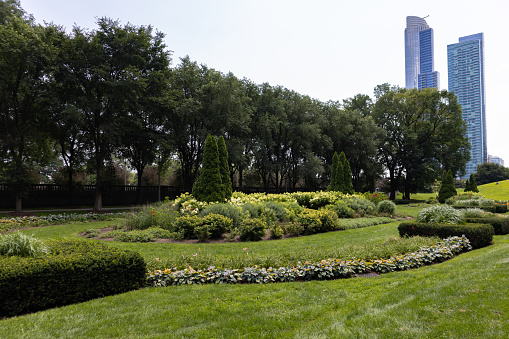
(419, 55)
(496, 160)
(465, 64)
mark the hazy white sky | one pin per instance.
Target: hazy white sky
(327, 49)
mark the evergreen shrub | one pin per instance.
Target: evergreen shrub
(75, 271)
(386, 207)
(252, 230)
(500, 224)
(479, 235)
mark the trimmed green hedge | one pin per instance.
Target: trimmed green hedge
(500, 225)
(480, 235)
(74, 271)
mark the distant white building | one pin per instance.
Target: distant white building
(495, 160)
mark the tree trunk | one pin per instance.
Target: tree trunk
(18, 203)
(138, 186)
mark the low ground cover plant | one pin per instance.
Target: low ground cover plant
(9, 224)
(322, 270)
(288, 252)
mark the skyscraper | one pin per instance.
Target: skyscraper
(465, 64)
(419, 55)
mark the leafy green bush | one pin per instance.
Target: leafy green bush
(75, 271)
(473, 213)
(443, 214)
(480, 235)
(329, 220)
(227, 210)
(500, 224)
(310, 221)
(501, 207)
(213, 227)
(375, 198)
(341, 209)
(134, 236)
(360, 205)
(386, 207)
(276, 232)
(252, 230)
(464, 196)
(19, 244)
(187, 224)
(293, 228)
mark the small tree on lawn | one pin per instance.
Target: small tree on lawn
(447, 188)
(347, 174)
(468, 187)
(208, 186)
(224, 168)
(473, 185)
(336, 177)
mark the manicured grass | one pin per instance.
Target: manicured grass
(465, 297)
(494, 191)
(375, 242)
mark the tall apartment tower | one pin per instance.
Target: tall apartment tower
(465, 64)
(419, 55)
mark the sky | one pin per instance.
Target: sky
(326, 49)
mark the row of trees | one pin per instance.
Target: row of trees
(87, 96)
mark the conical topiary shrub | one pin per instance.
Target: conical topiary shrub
(447, 188)
(347, 174)
(208, 186)
(473, 185)
(224, 169)
(336, 180)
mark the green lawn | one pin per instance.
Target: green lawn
(465, 297)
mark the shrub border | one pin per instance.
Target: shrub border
(323, 270)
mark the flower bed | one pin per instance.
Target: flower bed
(323, 270)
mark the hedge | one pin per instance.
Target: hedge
(74, 271)
(500, 225)
(480, 235)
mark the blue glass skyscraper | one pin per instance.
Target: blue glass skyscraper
(419, 55)
(465, 64)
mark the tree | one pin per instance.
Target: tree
(468, 187)
(334, 178)
(447, 188)
(491, 172)
(423, 131)
(27, 54)
(108, 75)
(208, 187)
(347, 174)
(472, 186)
(224, 169)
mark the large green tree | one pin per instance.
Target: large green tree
(423, 132)
(491, 172)
(108, 75)
(27, 55)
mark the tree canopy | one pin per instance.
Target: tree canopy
(85, 98)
